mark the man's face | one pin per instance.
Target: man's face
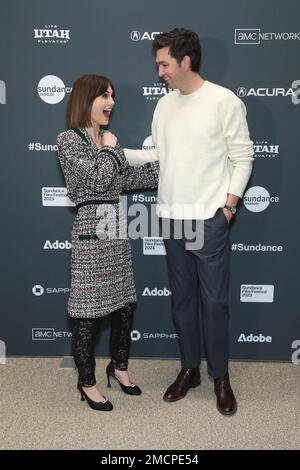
(168, 68)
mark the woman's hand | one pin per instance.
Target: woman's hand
(109, 139)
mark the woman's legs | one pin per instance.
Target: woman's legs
(84, 333)
(121, 325)
(120, 339)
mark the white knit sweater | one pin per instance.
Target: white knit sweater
(204, 151)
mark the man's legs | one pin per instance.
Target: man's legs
(208, 272)
(183, 278)
(213, 272)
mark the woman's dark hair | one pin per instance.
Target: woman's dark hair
(84, 91)
(182, 42)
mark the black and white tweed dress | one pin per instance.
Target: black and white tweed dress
(101, 268)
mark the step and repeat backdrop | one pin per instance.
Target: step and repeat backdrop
(251, 47)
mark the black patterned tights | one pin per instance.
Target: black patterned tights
(84, 332)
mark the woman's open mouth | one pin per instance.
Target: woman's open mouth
(107, 112)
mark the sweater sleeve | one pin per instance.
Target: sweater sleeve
(232, 112)
(95, 174)
(140, 157)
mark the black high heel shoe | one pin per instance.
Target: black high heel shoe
(129, 389)
(95, 405)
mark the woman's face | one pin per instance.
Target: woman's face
(102, 108)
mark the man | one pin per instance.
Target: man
(205, 156)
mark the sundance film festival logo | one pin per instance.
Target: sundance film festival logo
(257, 293)
(138, 36)
(2, 92)
(52, 90)
(155, 92)
(50, 34)
(39, 290)
(56, 197)
(48, 334)
(263, 149)
(256, 36)
(153, 246)
(136, 336)
(257, 199)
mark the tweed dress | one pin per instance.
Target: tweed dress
(101, 267)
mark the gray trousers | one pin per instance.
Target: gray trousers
(199, 281)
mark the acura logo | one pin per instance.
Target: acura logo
(149, 36)
(135, 35)
(241, 91)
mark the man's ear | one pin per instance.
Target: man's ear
(186, 63)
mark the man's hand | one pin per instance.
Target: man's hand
(228, 214)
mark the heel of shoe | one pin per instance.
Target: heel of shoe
(129, 389)
(196, 383)
(95, 405)
(108, 373)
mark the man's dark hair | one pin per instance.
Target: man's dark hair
(181, 42)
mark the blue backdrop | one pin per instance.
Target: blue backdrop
(251, 47)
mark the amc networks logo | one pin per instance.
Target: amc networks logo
(48, 334)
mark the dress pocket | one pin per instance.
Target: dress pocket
(92, 236)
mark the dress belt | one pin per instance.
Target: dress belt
(97, 201)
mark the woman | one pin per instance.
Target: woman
(96, 172)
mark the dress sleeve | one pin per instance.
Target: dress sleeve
(141, 177)
(96, 173)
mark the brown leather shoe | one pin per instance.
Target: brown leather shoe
(226, 402)
(186, 379)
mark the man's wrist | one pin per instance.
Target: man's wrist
(231, 208)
